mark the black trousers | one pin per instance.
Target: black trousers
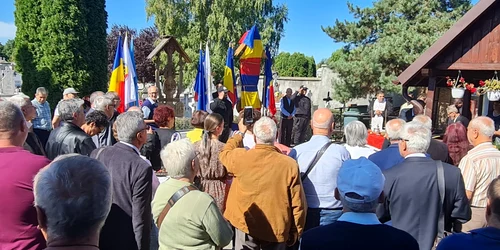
(286, 131)
(225, 134)
(299, 129)
(42, 134)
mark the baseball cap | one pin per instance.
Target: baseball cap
(70, 91)
(222, 88)
(362, 177)
(303, 87)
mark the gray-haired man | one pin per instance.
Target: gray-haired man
(72, 210)
(42, 122)
(360, 185)
(128, 225)
(69, 138)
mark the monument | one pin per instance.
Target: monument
(10, 80)
(171, 90)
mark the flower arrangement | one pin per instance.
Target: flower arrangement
(460, 83)
(489, 85)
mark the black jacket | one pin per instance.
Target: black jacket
(34, 145)
(462, 119)
(68, 138)
(225, 109)
(412, 199)
(302, 105)
(128, 225)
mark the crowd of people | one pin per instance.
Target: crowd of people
(86, 178)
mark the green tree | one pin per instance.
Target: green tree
(294, 65)
(112, 40)
(28, 18)
(60, 44)
(385, 39)
(217, 21)
(8, 49)
(145, 44)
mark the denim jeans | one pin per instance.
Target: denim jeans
(320, 217)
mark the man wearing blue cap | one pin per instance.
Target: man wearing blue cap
(360, 185)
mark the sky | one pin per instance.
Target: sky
(303, 31)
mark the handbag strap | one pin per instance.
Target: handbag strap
(441, 186)
(171, 202)
(316, 159)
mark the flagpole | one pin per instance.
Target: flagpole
(264, 92)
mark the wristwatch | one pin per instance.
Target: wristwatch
(240, 133)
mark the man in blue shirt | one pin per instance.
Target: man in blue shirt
(390, 157)
(287, 112)
(42, 122)
(360, 185)
(320, 184)
(483, 238)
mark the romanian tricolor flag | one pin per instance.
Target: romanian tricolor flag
(250, 67)
(117, 80)
(229, 79)
(269, 101)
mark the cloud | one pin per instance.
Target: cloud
(7, 30)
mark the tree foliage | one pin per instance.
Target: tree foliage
(60, 44)
(7, 50)
(218, 21)
(144, 43)
(294, 65)
(385, 39)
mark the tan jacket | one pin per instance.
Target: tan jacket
(266, 199)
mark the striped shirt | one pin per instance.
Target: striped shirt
(479, 167)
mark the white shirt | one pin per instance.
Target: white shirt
(380, 106)
(358, 152)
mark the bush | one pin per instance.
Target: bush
(183, 123)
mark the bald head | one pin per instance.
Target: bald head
(423, 120)
(393, 129)
(322, 122)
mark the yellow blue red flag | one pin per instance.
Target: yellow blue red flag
(250, 67)
(117, 80)
(229, 79)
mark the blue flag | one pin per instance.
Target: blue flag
(200, 87)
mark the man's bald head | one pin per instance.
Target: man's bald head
(393, 129)
(322, 121)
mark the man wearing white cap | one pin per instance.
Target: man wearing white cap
(360, 185)
(68, 93)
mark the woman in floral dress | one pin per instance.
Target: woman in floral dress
(212, 173)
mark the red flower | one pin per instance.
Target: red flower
(449, 83)
(447, 78)
(462, 80)
(473, 90)
(481, 83)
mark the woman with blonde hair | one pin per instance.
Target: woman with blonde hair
(213, 174)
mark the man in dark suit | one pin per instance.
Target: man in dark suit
(389, 157)
(438, 150)
(287, 112)
(128, 225)
(413, 201)
(455, 116)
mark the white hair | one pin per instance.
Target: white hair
(42, 91)
(355, 134)
(20, 100)
(75, 194)
(102, 102)
(93, 96)
(417, 137)
(451, 109)
(393, 128)
(135, 109)
(265, 131)
(177, 158)
(11, 117)
(423, 120)
(484, 125)
(67, 108)
(127, 126)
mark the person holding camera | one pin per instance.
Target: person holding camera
(302, 117)
(222, 106)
